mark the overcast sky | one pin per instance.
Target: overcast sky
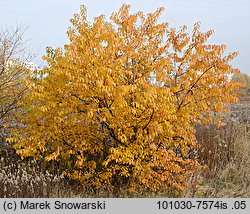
(48, 20)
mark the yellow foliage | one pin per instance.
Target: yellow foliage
(121, 100)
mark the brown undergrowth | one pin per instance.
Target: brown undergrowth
(225, 151)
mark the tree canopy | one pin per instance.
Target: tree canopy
(119, 103)
(245, 79)
(12, 74)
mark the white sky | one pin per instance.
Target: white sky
(48, 20)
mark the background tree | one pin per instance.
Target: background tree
(120, 101)
(245, 79)
(12, 71)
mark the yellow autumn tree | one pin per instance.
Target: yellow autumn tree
(120, 101)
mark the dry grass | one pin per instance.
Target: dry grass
(26, 178)
(225, 151)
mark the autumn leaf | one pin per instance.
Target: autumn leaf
(120, 101)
